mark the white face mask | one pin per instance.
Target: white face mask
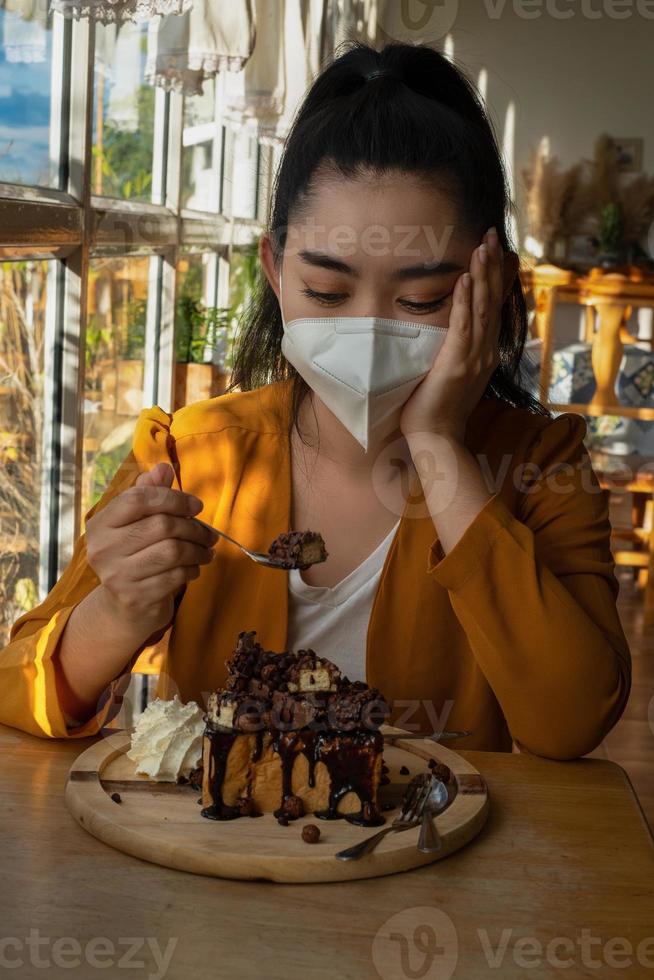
(364, 368)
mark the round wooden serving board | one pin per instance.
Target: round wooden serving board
(161, 822)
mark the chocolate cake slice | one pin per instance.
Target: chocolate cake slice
(289, 734)
(298, 549)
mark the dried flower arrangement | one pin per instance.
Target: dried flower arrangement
(591, 197)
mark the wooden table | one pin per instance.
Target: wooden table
(565, 855)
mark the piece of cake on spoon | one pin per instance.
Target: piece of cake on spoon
(298, 549)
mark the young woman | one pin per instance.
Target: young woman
(377, 399)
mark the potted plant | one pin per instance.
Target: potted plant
(126, 385)
(204, 335)
(201, 339)
(610, 236)
(115, 360)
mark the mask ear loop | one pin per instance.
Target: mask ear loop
(280, 295)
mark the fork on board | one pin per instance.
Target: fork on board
(415, 798)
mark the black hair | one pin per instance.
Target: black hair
(421, 116)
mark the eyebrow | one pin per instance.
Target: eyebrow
(424, 269)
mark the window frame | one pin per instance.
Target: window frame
(71, 226)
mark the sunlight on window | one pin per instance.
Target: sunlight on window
(22, 319)
(123, 113)
(508, 154)
(200, 168)
(25, 102)
(482, 85)
(113, 380)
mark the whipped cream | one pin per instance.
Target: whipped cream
(167, 739)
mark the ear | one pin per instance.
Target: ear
(266, 258)
(510, 268)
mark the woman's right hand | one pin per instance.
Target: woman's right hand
(144, 549)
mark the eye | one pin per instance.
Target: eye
(431, 307)
(330, 299)
(326, 298)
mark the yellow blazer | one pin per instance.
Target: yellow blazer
(513, 634)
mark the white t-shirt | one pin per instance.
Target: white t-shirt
(334, 621)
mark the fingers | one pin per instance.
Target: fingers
(481, 297)
(475, 317)
(137, 537)
(495, 277)
(486, 270)
(169, 582)
(460, 321)
(161, 475)
(164, 556)
(142, 500)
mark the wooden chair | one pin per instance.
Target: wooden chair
(632, 474)
(609, 299)
(546, 282)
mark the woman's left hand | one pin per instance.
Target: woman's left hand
(446, 396)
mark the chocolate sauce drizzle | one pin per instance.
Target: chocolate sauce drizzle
(348, 756)
(333, 726)
(221, 743)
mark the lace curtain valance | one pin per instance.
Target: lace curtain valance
(117, 11)
(266, 52)
(210, 38)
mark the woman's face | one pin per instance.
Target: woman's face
(385, 247)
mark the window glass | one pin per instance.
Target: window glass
(244, 174)
(25, 97)
(194, 307)
(202, 331)
(123, 113)
(115, 362)
(200, 173)
(244, 271)
(22, 319)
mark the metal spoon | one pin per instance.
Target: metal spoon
(257, 556)
(429, 839)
